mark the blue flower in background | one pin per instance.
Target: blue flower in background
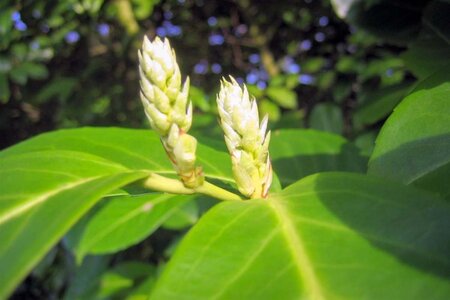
(161, 32)
(216, 39)
(306, 79)
(323, 21)
(261, 85)
(254, 58)
(72, 37)
(212, 21)
(305, 45)
(216, 68)
(18, 23)
(252, 77)
(15, 16)
(201, 67)
(103, 29)
(290, 66)
(319, 37)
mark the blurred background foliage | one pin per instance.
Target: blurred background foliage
(73, 63)
(333, 65)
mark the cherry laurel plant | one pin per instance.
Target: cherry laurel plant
(315, 219)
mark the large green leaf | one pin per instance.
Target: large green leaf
(49, 182)
(329, 236)
(124, 221)
(298, 153)
(42, 195)
(414, 143)
(133, 148)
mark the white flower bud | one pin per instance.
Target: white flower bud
(167, 107)
(246, 139)
(161, 85)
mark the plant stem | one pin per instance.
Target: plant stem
(214, 191)
(163, 184)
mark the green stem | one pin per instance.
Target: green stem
(214, 191)
(163, 184)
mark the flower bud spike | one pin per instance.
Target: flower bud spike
(246, 139)
(167, 107)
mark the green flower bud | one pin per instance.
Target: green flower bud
(168, 108)
(245, 138)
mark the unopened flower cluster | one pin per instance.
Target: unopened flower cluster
(167, 107)
(169, 112)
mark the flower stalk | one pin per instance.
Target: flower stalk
(246, 139)
(166, 105)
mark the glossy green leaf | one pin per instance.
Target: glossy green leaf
(282, 96)
(329, 236)
(133, 148)
(59, 176)
(326, 117)
(42, 195)
(414, 143)
(124, 221)
(298, 153)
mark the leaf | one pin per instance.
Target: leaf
(42, 195)
(381, 18)
(380, 104)
(133, 148)
(283, 96)
(183, 216)
(124, 221)
(85, 282)
(269, 108)
(199, 99)
(298, 153)
(327, 117)
(122, 278)
(329, 236)
(313, 64)
(427, 45)
(414, 143)
(60, 88)
(436, 18)
(36, 70)
(49, 182)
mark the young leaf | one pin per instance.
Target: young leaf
(328, 236)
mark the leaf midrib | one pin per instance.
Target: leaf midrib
(296, 246)
(25, 206)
